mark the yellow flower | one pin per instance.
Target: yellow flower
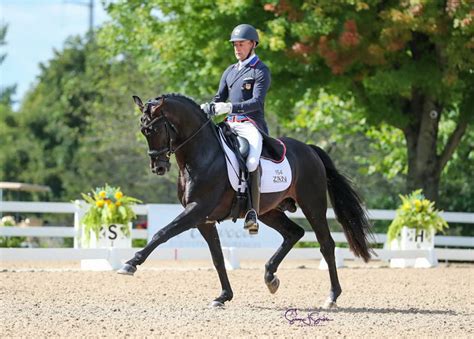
(108, 202)
(406, 206)
(418, 205)
(102, 194)
(118, 203)
(99, 203)
(118, 195)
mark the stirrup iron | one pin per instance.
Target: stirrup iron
(251, 223)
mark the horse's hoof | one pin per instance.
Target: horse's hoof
(273, 285)
(127, 270)
(217, 304)
(330, 305)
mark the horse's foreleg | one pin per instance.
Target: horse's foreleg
(291, 233)
(189, 218)
(209, 232)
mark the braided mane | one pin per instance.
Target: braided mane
(180, 97)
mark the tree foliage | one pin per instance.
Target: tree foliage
(6, 92)
(360, 78)
(78, 127)
(8, 120)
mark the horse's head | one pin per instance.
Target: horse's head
(161, 119)
(159, 133)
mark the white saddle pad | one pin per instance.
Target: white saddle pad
(275, 177)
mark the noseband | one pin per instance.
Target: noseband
(150, 126)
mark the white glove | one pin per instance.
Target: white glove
(223, 108)
(203, 106)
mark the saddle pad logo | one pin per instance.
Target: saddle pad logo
(279, 177)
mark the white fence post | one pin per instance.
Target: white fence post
(231, 259)
(79, 212)
(338, 255)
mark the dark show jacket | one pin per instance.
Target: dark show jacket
(246, 90)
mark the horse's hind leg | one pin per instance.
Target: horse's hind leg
(291, 233)
(315, 212)
(209, 232)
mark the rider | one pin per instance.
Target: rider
(245, 84)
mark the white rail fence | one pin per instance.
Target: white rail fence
(191, 247)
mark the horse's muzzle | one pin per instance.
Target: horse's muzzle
(160, 167)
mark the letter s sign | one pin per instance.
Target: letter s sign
(112, 232)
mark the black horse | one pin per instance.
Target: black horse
(175, 124)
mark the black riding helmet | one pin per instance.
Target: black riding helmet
(244, 32)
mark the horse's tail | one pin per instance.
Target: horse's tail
(348, 208)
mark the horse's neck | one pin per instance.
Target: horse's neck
(201, 150)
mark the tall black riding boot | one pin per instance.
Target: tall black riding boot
(251, 223)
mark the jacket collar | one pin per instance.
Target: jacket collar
(252, 61)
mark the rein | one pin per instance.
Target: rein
(192, 136)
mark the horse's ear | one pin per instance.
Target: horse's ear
(138, 101)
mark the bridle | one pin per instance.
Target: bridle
(150, 126)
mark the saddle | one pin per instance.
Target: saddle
(272, 149)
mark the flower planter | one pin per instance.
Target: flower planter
(411, 239)
(109, 207)
(110, 236)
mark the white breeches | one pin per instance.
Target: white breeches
(248, 131)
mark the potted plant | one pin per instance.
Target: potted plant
(108, 218)
(414, 227)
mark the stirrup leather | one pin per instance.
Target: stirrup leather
(251, 223)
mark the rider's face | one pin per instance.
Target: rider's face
(242, 49)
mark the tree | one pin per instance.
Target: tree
(78, 127)
(8, 121)
(407, 64)
(457, 194)
(7, 91)
(339, 127)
